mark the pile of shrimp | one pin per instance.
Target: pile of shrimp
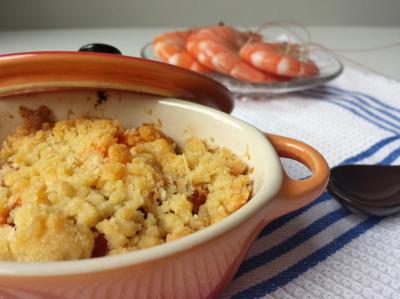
(241, 55)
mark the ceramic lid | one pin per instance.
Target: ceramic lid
(46, 71)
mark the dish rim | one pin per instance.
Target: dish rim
(22, 77)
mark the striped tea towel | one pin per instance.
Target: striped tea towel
(323, 250)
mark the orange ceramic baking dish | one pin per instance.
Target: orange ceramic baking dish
(186, 103)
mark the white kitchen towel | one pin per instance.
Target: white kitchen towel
(324, 250)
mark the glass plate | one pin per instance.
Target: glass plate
(329, 68)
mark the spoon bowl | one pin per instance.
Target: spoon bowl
(373, 189)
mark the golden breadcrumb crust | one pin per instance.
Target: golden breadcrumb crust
(67, 187)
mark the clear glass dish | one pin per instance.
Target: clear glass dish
(329, 68)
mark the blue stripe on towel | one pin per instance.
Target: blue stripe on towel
(348, 94)
(371, 98)
(371, 150)
(292, 242)
(310, 261)
(363, 106)
(391, 157)
(369, 118)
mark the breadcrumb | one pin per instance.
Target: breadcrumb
(74, 184)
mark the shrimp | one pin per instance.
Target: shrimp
(170, 47)
(280, 59)
(217, 48)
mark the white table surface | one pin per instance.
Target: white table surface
(130, 41)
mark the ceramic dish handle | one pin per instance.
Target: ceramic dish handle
(295, 194)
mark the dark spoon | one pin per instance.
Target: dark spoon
(99, 48)
(373, 189)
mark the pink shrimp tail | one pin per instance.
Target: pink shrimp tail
(170, 47)
(276, 59)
